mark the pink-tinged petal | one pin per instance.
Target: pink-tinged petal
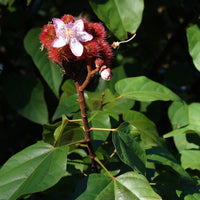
(58, 24)
(78, 25)
(106, 74)
(76, 47)
(84, 36)
(57, 43)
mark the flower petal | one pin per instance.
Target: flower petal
(78, 25)
(76, 47)
(58, 24)
(59, 42)
(84, 36)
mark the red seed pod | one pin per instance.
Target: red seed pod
(67, 18)
(47, 35)
(97, 30)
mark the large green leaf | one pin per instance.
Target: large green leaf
(193, 36)
(145, 126)
(34, 169)
(128, 186)
(50, 72)
(119, 16)
(193, 116)
(129, 147)
(190, 159)
(143, 89)
(26, 95)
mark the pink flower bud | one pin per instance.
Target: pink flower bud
(106, 73)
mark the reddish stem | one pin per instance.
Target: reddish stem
(81, 100)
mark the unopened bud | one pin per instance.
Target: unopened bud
(106, 73)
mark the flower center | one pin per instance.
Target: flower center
(68, 31)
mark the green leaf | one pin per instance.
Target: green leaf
(26, 95)
(68, 132)
(127, 186)
(67, 105)
(143, 89)
(119, 16)
(161, 155)
(193, 36)
(128, 144)
(34, 169)
(190, 159)
(178, 114)
(50, 71)
(145, 126)
(193, 117)
(99, 119)
(118, 106)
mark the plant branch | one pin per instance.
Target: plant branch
(81, 100)
(101, 164)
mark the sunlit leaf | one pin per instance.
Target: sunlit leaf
(33, 169)
(143, 89)
(193, 36)
(193, 122)
(130, 185)
(190, 159)
(119, 16)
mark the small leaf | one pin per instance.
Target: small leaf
(50, 72)
(119, 16)
(34, 169)
(190, 159)
(143, 89)
(193, 36)
(26, 95)
(129, 147)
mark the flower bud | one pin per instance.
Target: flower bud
(106, 73)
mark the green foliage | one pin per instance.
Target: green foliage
(34, 169)
(145, 122)
(119, 16)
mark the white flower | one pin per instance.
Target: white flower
(72, 34)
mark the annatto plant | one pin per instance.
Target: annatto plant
(97, 146)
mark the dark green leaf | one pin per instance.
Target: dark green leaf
(143, 89)
(26, 95)
(68, 132)
(34, 169)
(66, 105)
(50, 72)
(129, 147)
(162, 156)
(119, 16)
